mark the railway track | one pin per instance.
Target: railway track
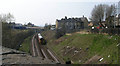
(39, 50)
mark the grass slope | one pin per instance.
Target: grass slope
(26, 45)
(101, 45)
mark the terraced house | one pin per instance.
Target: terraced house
(72, 24)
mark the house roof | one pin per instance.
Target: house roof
(72, 20)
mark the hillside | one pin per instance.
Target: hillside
(25, 46)
(12, 38)
(87, 48)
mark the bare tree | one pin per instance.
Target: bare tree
(101, 12)
(110, 15)
(97, 13)
(6, 17)
(10, 17)
(110, 10)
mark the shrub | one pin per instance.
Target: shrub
(12, 38)
(59, 33)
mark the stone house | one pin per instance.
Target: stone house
(70, 24)
(113, 21)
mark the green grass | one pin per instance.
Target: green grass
(26, 45)
(98, 44)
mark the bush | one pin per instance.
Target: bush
(95, 30)
(12, 38)
(111, 31)
(59, 33)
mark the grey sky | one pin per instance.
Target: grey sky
(40, 12)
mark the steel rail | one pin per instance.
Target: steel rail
(52, 56)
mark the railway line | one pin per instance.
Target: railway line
(39, 50)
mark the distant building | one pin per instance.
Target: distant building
(30, 25)
(118, 18)
(18, 25)
(52, 27)
(14, 25)
(72, 23)
(113, 21)
(119, 7)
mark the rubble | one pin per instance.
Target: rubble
(108, 56)
(118, 44)
(101, 59)
(11, 56)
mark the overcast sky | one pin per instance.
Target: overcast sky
(40, 12)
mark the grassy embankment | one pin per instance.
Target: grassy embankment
(90, 44)
(12, 38)
(25, 46)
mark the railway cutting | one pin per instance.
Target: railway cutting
(39, 49)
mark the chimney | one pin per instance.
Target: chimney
(65, 17)
(83, 15)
